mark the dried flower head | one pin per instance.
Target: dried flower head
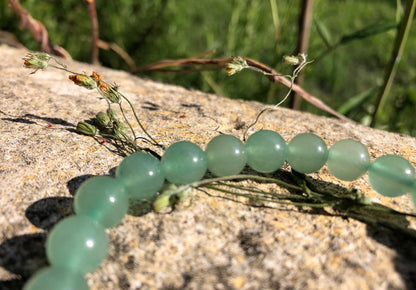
(83, 81)
(295, 60)
(237, 64)
(37, 60)
(108, 92)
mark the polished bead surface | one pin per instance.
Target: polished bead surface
(226, 155)
(413, 193)
(77, 243)
(266, 151)
(103, 199)
(307, 153)
(348, 159)
(52, 278)
(184, 162)
(141, 175)
(391, 175)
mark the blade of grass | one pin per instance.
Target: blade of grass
(397, 52)
(356, 101)
(359, 34)
(275, 17)
(323, 33)
(368, 31)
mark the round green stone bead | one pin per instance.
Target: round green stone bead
(413, 193)
(266, 151)
(226, 155)
(77, 243)
(348, 160)
(307, 153)
(103, 199)
(184, 162)
(391, 175)
(52, 278)
(141, 175)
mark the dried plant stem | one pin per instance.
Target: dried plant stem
(206, 182)
(257, 198)
(38, 30)
(188, 65)
(94, 31)
(305, 19)
(292, 78)
(63, 67)
(121, 52)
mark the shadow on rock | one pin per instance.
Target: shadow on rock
(76, 182)
(22, 255)
(405, 247)
(47, 212)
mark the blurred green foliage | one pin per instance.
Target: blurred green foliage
(348, 70)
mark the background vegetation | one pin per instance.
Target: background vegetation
(346, 76)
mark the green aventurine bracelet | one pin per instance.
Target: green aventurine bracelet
(101, 202)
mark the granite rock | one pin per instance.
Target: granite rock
(219, 241)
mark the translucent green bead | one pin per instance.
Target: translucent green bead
(266, 151)
(348, 159)
(413, 193)
(77, 243)
(52, 278)
(184, 162)
(141, 175)
(103, 199)
(307, 153)
(391, 175)
(226, 155)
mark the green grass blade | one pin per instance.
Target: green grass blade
(323, 33)
(356, 101)
(368, 32)
(391, 70)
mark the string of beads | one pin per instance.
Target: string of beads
(78, 244)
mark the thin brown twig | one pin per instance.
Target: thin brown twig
(37, 29)
(219, 63)
(305, 19)
(94, 31)
(214, 63)
(121, 52)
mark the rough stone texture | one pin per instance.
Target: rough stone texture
(216, 243)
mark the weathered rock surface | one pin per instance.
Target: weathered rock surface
(216, 243)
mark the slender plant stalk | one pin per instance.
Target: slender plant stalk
(275, 17)
(94, 31)
(257, 198)
(127, 141)
(127, 121)
(305, 20)
(138, 120)
(38, 30)
(397, 52)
